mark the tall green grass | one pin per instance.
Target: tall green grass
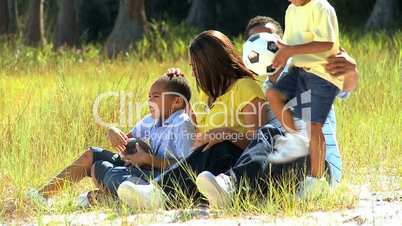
(46, 119)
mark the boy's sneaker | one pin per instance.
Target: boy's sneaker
(217, 189)
(35, 197)
(313, 188)
(288, 148)
(146, 197)
(83, 200)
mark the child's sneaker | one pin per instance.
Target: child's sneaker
(313, 188)
(288, 148)
(35, 197)
(83, 200)
(136, 196)
(90, 198)
(217, 189)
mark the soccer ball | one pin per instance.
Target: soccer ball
(131, 147)
(259, 52)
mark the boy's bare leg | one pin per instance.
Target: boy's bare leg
(317, 150)
(276, 100)
(79, 169)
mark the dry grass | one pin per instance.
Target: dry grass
(46, 120)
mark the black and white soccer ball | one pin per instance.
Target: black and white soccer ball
(131, 146)
(258, 53)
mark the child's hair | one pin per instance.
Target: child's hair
(176, 84)
(262, 20)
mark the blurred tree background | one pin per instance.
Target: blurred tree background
(120, 23)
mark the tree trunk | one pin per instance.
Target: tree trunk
(202, 14)
(129, 27)
(384, 15)
(67, 33)
(4, 17)
(13, 18)
(34, 26)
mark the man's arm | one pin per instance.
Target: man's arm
(344, 64)
(350, 81)
(218, 135)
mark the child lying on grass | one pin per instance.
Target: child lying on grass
(168, 130)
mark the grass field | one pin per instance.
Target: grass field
(46, 120)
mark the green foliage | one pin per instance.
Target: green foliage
(165, 41)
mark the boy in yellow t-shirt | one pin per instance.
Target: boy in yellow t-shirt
(311, 35)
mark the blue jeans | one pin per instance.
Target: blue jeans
(253, 164)
(110, 170)
(111, 176)
(332, 155)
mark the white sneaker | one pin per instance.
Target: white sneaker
(217, 189)
(38, 199)
(141, 196)
(288, 148)
(83, 200)
(313, 188)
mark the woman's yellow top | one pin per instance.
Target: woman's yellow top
(226, 110)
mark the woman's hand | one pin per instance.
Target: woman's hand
(117, 138)
(200, 140)
(139, 158)
(340, 64)
(212, 137)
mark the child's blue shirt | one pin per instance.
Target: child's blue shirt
(171, 139)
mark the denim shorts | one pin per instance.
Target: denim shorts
(100, 154)
(110, 171)
(111, 176)
(310, 96)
